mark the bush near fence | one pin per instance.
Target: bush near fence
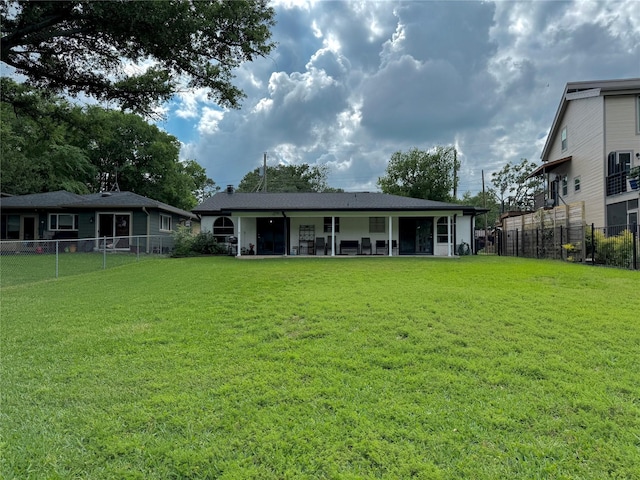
(35, 260)
(617, 246)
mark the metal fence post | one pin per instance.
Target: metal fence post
(137, 248)
(635, 246)
(593, 244)
(516, 245)
(104, 254)
(57, 257)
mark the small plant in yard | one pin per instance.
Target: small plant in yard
(571, 249)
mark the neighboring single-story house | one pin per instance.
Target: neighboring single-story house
(358, 223)
(65, 215)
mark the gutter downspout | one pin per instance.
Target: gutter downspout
(144, 209)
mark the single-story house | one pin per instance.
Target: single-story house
(66, 216)
(336, 223)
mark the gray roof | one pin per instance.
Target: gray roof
(67, 200)
(125, 200)
(224, 202)
(40, 200)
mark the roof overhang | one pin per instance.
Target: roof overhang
(547, 167)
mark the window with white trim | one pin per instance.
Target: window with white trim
(10, 227)
(222, 229)
(563, 139)
(327, 224)
(443, 230)
(377, 225)
(63, 221)
(565, 186)
(638, 115)
(576, 184)
(165, 223)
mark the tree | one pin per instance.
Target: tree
(55, 145)
(39, 150)
(430, 175)
(288, 178)
(85, 47)
(485, 200)
(515, 190)
(203, 187)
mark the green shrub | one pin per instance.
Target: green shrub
(616, 251)
(206, 244)
(183, 241)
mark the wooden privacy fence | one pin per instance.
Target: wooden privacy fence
(557, 233)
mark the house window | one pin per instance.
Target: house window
(327, 224)
(165, 223)
(63, 221)
(10, 227)
(222, 228)
(443, 230)
(618, 166)
(638, 115)
(563, 137)
(576, 184)
(376, 224)
(565, 186)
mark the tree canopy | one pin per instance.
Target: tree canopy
(56, 145)
(431, 175)
(287, 178)
(135, 54)
(515, 190)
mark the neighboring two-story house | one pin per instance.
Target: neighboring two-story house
(593, 143)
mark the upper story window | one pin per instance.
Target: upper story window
(376, 225)
(63, 221)
(638, 115)
(165, 223)
(618, 166)
(327, 224)
(563, 138)
(222, 228)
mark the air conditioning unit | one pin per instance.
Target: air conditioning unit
(549, 203)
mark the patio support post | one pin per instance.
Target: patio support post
(390, 240)
(333, 236)
(238, 249)
(449, 236)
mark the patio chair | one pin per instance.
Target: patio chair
(320, 246)
(365, 244)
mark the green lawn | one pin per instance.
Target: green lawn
(476, 368)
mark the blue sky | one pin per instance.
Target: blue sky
(352, 82)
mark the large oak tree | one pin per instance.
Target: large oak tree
(49, 144)
(135, 54)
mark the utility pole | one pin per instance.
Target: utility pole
(264, 171)
(455, 173)
(486, 219)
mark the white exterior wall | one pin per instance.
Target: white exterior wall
(583, 119)
(353, 226)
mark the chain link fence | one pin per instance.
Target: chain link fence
(616, 246)
(26, 261)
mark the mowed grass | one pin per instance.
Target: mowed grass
(478, 368)
(27, 268)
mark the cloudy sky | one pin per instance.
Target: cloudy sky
(351, 82)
